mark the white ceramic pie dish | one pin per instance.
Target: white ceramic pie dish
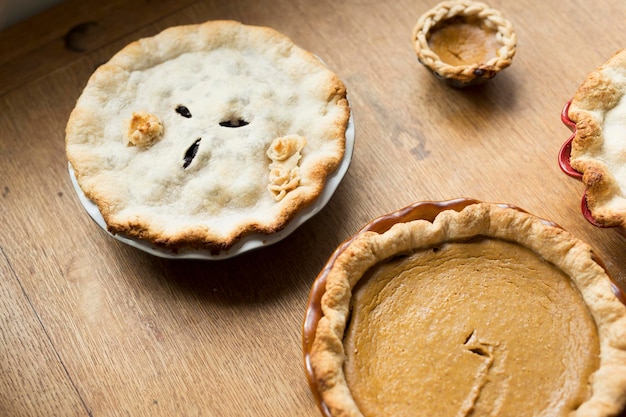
(248, 242)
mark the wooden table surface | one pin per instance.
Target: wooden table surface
(90, 326)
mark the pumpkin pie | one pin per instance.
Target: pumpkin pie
(464, 42)
(463, 309)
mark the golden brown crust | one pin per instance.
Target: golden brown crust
(143, 129)
(204, 103)
(479, 16)
(553, 244)
(597, 152)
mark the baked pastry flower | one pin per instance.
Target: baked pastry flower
(285, 153)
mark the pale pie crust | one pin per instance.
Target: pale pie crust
(170, 138)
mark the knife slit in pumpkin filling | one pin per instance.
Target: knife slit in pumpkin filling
(472, 328)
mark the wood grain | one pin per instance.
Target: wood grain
(93, 327)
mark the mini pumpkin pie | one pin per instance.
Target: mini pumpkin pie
(464, 42)
(466, 308)
(598, 150)
(205, 133)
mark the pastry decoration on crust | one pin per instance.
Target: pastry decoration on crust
(465, 308)
(172, 138)
(285, 153)
(143, 129)
(598, 148)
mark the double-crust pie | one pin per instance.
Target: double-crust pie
(598, 149)
(479, 310)
(204, 133)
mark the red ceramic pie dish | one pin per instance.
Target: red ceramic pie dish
(566, 167)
